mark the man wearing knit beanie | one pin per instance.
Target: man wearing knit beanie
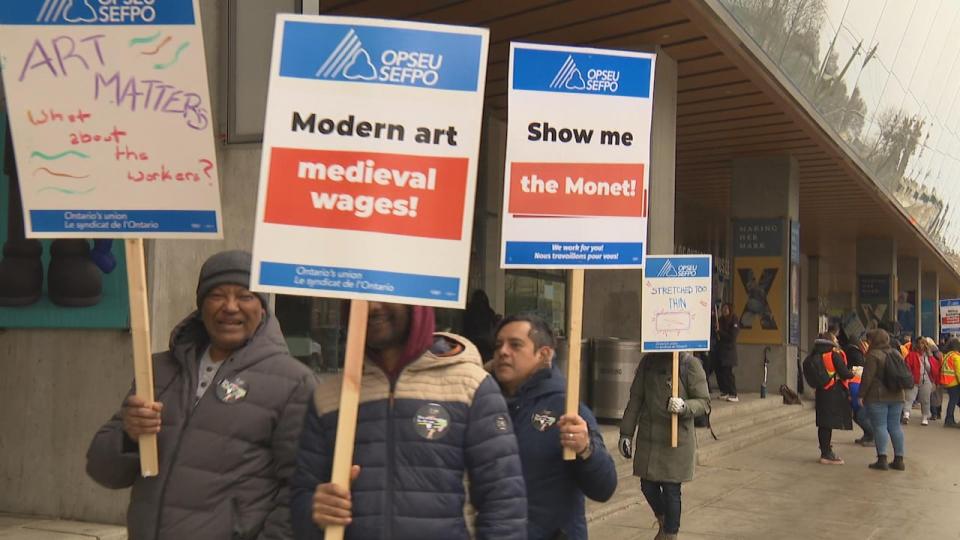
(229, 406)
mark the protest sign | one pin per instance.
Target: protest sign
(369, 160)
(577, 167)
(675, 309)
(950, 316)
(676, 303)
(578, 158)
(110, 112)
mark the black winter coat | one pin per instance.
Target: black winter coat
(727, 341)
(833, 404)
(225, 460)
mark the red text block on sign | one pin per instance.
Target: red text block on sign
(577, 189)
(367, 191)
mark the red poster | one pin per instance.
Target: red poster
(577, 189)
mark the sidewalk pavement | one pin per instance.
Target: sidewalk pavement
(14, 527)
(777, 489)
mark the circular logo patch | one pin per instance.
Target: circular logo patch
(542, 420)
(431, 421)
(232, 391)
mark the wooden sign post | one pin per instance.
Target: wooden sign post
(349, 403)
(574, 336)
(140, 334)
(675, 392)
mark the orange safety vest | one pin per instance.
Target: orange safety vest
(948, 370)
(831, 370)
(905, 349)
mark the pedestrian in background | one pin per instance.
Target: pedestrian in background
(479, 322)
(936, 394)
(884, 405)
(950, 380)
(648, 417)
(926, 370)
(536, 397)
(728, 327)
(833, 398)
(854, 351)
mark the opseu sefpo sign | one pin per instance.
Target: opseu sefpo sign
(676, 303)
(369, 160)
(578, 158)
(111, 118)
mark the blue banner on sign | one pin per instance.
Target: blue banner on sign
(675, 345)
(676, 267)
(328, 278)
(124, 221)
(575, 253)
(96, 12)
(378, 55)
(948, 303)
(580, 73)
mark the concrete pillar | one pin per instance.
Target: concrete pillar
(875, 293)
(612, 297)
(488, 207)
(765, 199)
(811, 293)
(907, 307)
(930, 304)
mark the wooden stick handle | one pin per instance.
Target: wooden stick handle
(675, 392)
(140, 333)
(574, 336)
(349, 403)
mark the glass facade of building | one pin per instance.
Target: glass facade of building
(885, 76)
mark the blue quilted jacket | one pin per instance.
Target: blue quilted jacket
(556, 487)
(436, 448)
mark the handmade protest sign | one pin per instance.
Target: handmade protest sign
(368, 173)
(110, 113)
(369, 163)
(675, 310)
(577, 167)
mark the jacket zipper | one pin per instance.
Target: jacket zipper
(390, 457)
(173, 460)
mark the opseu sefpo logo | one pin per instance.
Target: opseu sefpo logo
(351, 61)
(92, 11)
(570, 77)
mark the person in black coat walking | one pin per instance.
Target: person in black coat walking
(833, 399)
(728, 327)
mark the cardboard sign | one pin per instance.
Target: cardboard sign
(110, 112)
(676, 303)
(369, 160)
(578, 158)
(949, 316)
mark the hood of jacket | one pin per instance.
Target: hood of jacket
(446, 350)
(189, 339)
(821, 346)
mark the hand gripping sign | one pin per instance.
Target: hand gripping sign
(577, 168)
(368, 173)
(110, 113)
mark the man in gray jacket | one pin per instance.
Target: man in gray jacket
(229, 406)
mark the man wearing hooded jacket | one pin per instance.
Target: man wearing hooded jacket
(229, 405)
(435, 456)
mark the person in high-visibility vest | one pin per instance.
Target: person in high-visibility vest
(832, 400)
(950, 380)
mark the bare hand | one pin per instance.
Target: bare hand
(573, 433)
(140, 417)
(332, 504)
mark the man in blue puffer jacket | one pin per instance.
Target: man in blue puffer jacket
(536, 395)
(432, 428)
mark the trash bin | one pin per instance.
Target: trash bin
(560, 362)
(614, 363)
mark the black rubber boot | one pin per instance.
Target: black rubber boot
(881, 464)
(21, 273)
(73, 280)
(897, 464)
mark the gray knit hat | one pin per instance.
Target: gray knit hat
(231, 267)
